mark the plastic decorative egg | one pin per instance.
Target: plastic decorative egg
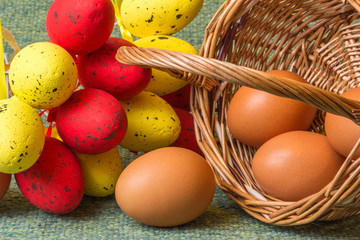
(101, 172)
(146, 18)
(91, 121)
(22, 136)
(179, 98)
(100, 70)
(152, 123)
(161, 82)
(187, 138)
(43, 75)
(55, 182)
(80, 26)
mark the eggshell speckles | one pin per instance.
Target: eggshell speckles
(55, 182)
(166, 187)
(91, 121)
(21, 136)
(295, 164)
(161, 82)
(43, 74)
(80, 26)
(101, 172)
(100, 70)
(146, 18)
(152, 123)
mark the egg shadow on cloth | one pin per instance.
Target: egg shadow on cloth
(14, 203)
(222, 212)
(91, 207)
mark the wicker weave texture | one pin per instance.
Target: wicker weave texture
(319, 40)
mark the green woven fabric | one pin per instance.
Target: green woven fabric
(101, 218)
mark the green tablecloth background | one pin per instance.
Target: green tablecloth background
(101, 218)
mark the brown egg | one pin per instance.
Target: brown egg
(255, 116)
(5, 180)
(295, 164)
(166, 187)
(342, 132)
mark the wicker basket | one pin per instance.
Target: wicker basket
(319, 40)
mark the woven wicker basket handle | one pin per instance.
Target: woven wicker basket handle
(190, 66)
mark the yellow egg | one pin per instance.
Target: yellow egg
(101, 172)
(22, 136)
(43, 75)
(152, 123)
(161, 82)
(157, 17)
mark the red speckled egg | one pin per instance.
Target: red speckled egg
(55, 182)
(80, 26)
(101, 70)
(179, 98)
(91, 121)
(187, 138)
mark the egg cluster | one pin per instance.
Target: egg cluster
(141, 109)
(291, 161)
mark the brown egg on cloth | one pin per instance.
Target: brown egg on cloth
(166, 187)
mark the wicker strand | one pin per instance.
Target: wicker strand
(180, 63)
(355, 3)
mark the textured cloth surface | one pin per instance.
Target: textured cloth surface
(101, 218)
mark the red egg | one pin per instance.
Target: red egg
(91, 121)
(187, 138)
(55, 182)
(179, 98)
(101, 70)
(80, 26)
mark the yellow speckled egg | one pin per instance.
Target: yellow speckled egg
(22, 136)
(161, 82)
(101, 172)
(152, 123)
(157, 17)
(43, 74)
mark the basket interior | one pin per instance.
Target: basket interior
(319, 40)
